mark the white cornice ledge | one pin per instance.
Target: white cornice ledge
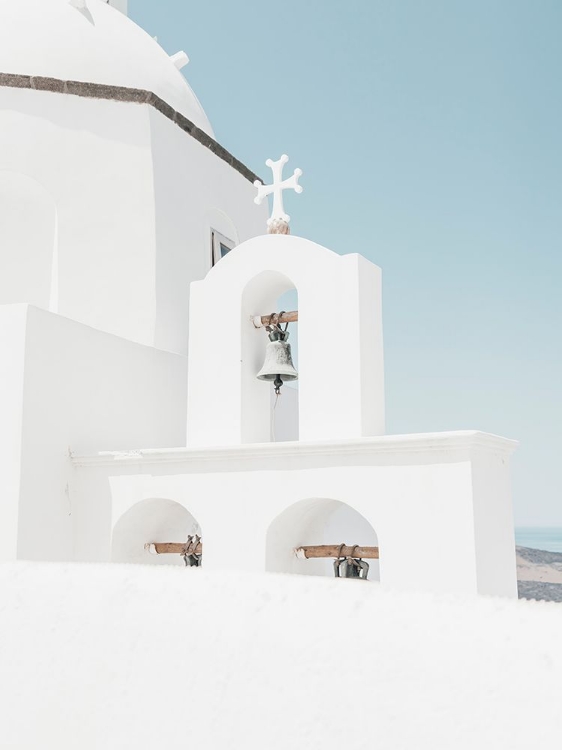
(398, 445)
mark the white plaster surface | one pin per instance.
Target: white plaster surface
(29, 242)
(13, 319)
(96, 44)
(125, 656)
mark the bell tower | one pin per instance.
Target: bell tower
(341, 375)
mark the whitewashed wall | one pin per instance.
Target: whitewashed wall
(78, 390)
(12, 358)
(93, 158)
(493, 518)
(28, 241)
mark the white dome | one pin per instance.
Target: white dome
(52, 38)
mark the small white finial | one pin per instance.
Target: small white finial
(278, 223)
(180, 59)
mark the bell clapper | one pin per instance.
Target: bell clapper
(277, 383)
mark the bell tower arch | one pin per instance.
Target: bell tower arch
(341, 380)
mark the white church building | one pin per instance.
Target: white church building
(135, 270)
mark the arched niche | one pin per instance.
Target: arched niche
(263, 294)
(312, 522)
(149, 521)
(28, 239)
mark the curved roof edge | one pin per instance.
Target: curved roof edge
(124, 94)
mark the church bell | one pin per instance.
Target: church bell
(191, 557)
(278, 366)
(351, 567)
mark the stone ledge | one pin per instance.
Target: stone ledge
(162, 107)
(40, 83)
(15, 81)
(124, 94)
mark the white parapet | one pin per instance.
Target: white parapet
(437, 505)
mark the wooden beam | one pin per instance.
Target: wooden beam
(308, 552)
(260, 321)
(172, 548)
(336, 550)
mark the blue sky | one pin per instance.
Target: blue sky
(430, 136)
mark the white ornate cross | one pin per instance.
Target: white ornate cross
(278, 215)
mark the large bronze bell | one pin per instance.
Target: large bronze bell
(278, 366)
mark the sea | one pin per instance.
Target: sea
(539, 537)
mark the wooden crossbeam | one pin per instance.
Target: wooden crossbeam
(336, 550)
(260, 321)
(308, 552)
(173, 548)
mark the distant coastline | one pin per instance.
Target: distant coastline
(548, 538)
(539, 574)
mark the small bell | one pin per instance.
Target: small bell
(278, 366)
(351, 567)
(190, 556)
(192, 561)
